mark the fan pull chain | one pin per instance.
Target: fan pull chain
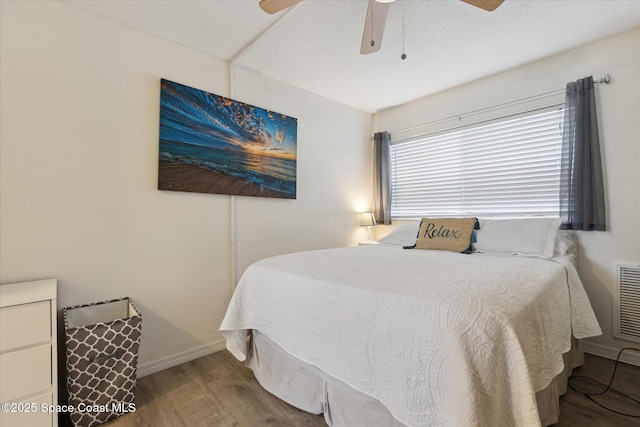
(371, 42)
(404, 55)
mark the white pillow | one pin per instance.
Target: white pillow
(530, 236)
(404, 235)
(566, 243)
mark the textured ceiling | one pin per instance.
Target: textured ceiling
(315, 45)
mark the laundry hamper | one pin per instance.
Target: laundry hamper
(101, 341)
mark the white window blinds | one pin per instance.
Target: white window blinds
(507, 168)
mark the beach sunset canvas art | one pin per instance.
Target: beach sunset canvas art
(213, 144)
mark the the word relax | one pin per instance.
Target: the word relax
(432, 232)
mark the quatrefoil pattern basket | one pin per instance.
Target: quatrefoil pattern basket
(102, 342)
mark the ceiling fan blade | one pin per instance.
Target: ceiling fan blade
(275, 6)
(374, 27)
(488, 5)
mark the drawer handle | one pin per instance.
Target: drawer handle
(102, 359)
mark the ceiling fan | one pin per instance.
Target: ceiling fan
(376, 17)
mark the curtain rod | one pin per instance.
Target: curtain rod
(604, 80)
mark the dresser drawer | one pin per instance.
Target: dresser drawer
(25, 372)
(25, 324)
(29, 413)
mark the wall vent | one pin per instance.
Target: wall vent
(626, 304)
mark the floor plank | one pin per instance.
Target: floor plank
(217, 390)
(577, 410)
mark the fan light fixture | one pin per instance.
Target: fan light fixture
(376, 17)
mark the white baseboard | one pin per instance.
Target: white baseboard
(177, 359)
(631, 357)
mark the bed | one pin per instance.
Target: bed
(379, 335)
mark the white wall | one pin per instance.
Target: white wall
(334, 175)
(79, 152)
(619, 121)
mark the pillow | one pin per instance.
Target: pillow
(404, 235)
(566, 243)
(527, 236)
(449, 234)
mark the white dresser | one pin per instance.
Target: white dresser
(28, 353)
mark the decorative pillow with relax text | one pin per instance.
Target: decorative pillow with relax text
(449, 234)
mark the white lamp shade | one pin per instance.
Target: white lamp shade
(368, 219)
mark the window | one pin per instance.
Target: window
(506, 168)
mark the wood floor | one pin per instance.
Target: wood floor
(577, 411)
(217, 390)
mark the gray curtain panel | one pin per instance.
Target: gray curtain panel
(382, 178)
(581, 183)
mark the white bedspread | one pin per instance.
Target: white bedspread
(440, 338)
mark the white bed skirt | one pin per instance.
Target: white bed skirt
(309, 389)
